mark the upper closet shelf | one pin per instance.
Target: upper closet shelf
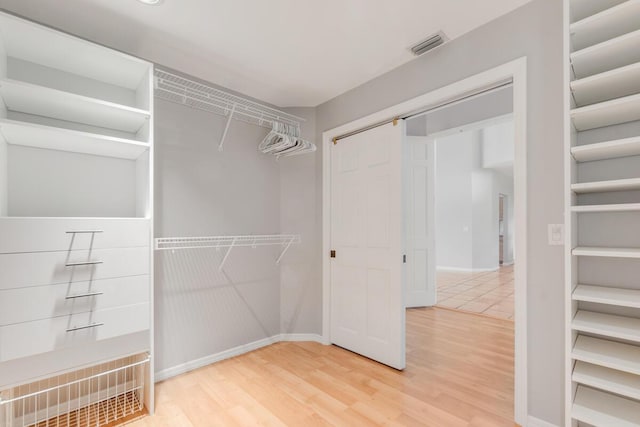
(600, 409)
(41, 45)
(581, 9)
(613, 22)
(606, 252)
(616, 111)
(34, 135)
(615, 53)
(606, 86)
(611, 354)
(42, 101)
(622, 207)
(607, 150)
(184, 91)
(606, 295)
(607, 379)
(629, 184)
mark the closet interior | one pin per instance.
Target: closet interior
(603, 212)
(76, 167)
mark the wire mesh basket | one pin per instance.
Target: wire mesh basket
(103, 395)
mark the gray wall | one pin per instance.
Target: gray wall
(535, 31)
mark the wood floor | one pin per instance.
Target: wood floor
(459, 373)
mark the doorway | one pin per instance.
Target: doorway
(514, 71)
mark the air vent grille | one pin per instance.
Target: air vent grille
(429, 43)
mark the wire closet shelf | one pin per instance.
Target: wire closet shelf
(112, 395)
(217, 242)
(181, 90)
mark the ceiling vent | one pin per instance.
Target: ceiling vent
(429, 43)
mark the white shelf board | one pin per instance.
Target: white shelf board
(606, 252)
(601, 409)
(623, 207)
(613, 22)
(607, 150)
(611, 54)
(610, 354)
(43, 101)
(42, 45)
(607, 379)
(606, 86)
(52, 138)
(626, 328)
(616, 111)
(605, 295)
(629, 184)
(581, 9)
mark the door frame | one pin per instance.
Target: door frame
(516, 71)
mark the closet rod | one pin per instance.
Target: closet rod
(430, 109)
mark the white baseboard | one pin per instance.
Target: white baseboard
(466, 270)
(537, 422)
(233, 352)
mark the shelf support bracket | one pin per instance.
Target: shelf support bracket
(226, 128)
(226, 255)
(286, 248)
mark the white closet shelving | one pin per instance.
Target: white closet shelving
(76, 205)
(602, 113)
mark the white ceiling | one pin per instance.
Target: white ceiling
(286, 52)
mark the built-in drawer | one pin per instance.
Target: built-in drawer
(77, 330)
(48, 268)
(61, 234)
(43, 302)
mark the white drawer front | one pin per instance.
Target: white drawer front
(43, 302)
(41, 336)
(46, 268)
(61, 234)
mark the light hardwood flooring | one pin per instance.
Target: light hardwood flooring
(489, 292)
(459, 374)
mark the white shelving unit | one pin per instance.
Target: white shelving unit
(602, 182)
(76, 169)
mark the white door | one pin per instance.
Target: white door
(419, 221)
(367, 299)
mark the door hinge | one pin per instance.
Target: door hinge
(404, 259)
(333, 253)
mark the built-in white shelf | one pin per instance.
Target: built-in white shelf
(613, 22)
(605, 295)
(607, 252)
(616, 111)
(609, 325)
(608, 55)
(608, 85)
(607, 150)
(601, 409)
(628, 184)
(610, 354)
(47, 102)
(41, 45)
(581, 9)
(607, 379)
(622, 207)
(52, 138)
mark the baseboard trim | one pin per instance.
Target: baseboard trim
(537, 422)
(467, 270)
(233, 352)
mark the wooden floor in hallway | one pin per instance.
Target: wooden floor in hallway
(459, 374)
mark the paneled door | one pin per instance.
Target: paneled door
(367, 298)
(420, 224)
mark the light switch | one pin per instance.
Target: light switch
(556, 234)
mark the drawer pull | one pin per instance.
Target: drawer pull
(75, 264)
(92, 294)
(85, 231)
(78, 328)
